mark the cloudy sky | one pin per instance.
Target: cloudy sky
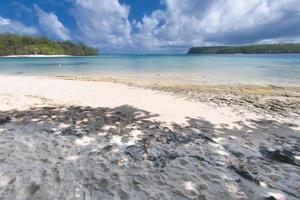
(154, 26)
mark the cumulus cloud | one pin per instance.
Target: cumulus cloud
(12, 26)
(203, 22)
(103, 23)
(184, 23)
(50, 24)
(239, 22)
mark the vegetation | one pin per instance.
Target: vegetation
(249, 49)
(11, 44)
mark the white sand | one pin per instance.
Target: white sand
(104, 94)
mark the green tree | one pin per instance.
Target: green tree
(12, 44)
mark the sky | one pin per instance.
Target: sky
(154, 26)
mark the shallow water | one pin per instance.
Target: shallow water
(242, 69)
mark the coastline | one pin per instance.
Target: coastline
(34, 56)
(262, 99)
(186, 83)
(99, 136)
(265, 100)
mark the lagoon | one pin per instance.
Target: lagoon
(275, 69)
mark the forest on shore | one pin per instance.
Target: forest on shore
(12, 44)
(248, 49)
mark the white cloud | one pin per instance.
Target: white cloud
(50, 24)
(197, 22)
(185, 23)
(12, 26)
(103, 23)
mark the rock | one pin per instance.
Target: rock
(283, 156)
(197, 157)
(67, 131)
(103, 150)
(33, 188)
(201, 159)
(243, 173)
(232, 137)
(4, 120)
(270, 198)
(235, 153)
(161, 160)
(136, 152)
(152, 127)
(71, 132)
(107, 148)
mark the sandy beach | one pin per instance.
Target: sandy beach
(115, 138)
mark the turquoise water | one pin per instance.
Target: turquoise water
(244, 69)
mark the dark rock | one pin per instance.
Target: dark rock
(107, 148)
(135, 151)
(172, 155)
(67, 131)
(71, 132)
(235, 153)
(270, 198)
(197, 157)
(33, 188)
(283, 156)
(102, 151)
(201, 159)
(161, 160)
(243, 173)
(4, 120)
(207, 138)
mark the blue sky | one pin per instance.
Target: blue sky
(154, 26)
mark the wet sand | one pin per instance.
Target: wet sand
(95, 138)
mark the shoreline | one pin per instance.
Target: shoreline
(270, 100)
(183, 84)
(267, 100)
(261, 99)
(162, 79)
(34, 56)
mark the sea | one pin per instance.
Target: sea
(271, 69)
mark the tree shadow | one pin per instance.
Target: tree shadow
(123, 153)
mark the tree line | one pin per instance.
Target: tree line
(12, 44)
(248, 49)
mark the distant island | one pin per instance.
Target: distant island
(248, 49)
(14, 45)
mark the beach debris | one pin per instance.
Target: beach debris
(284, 156)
